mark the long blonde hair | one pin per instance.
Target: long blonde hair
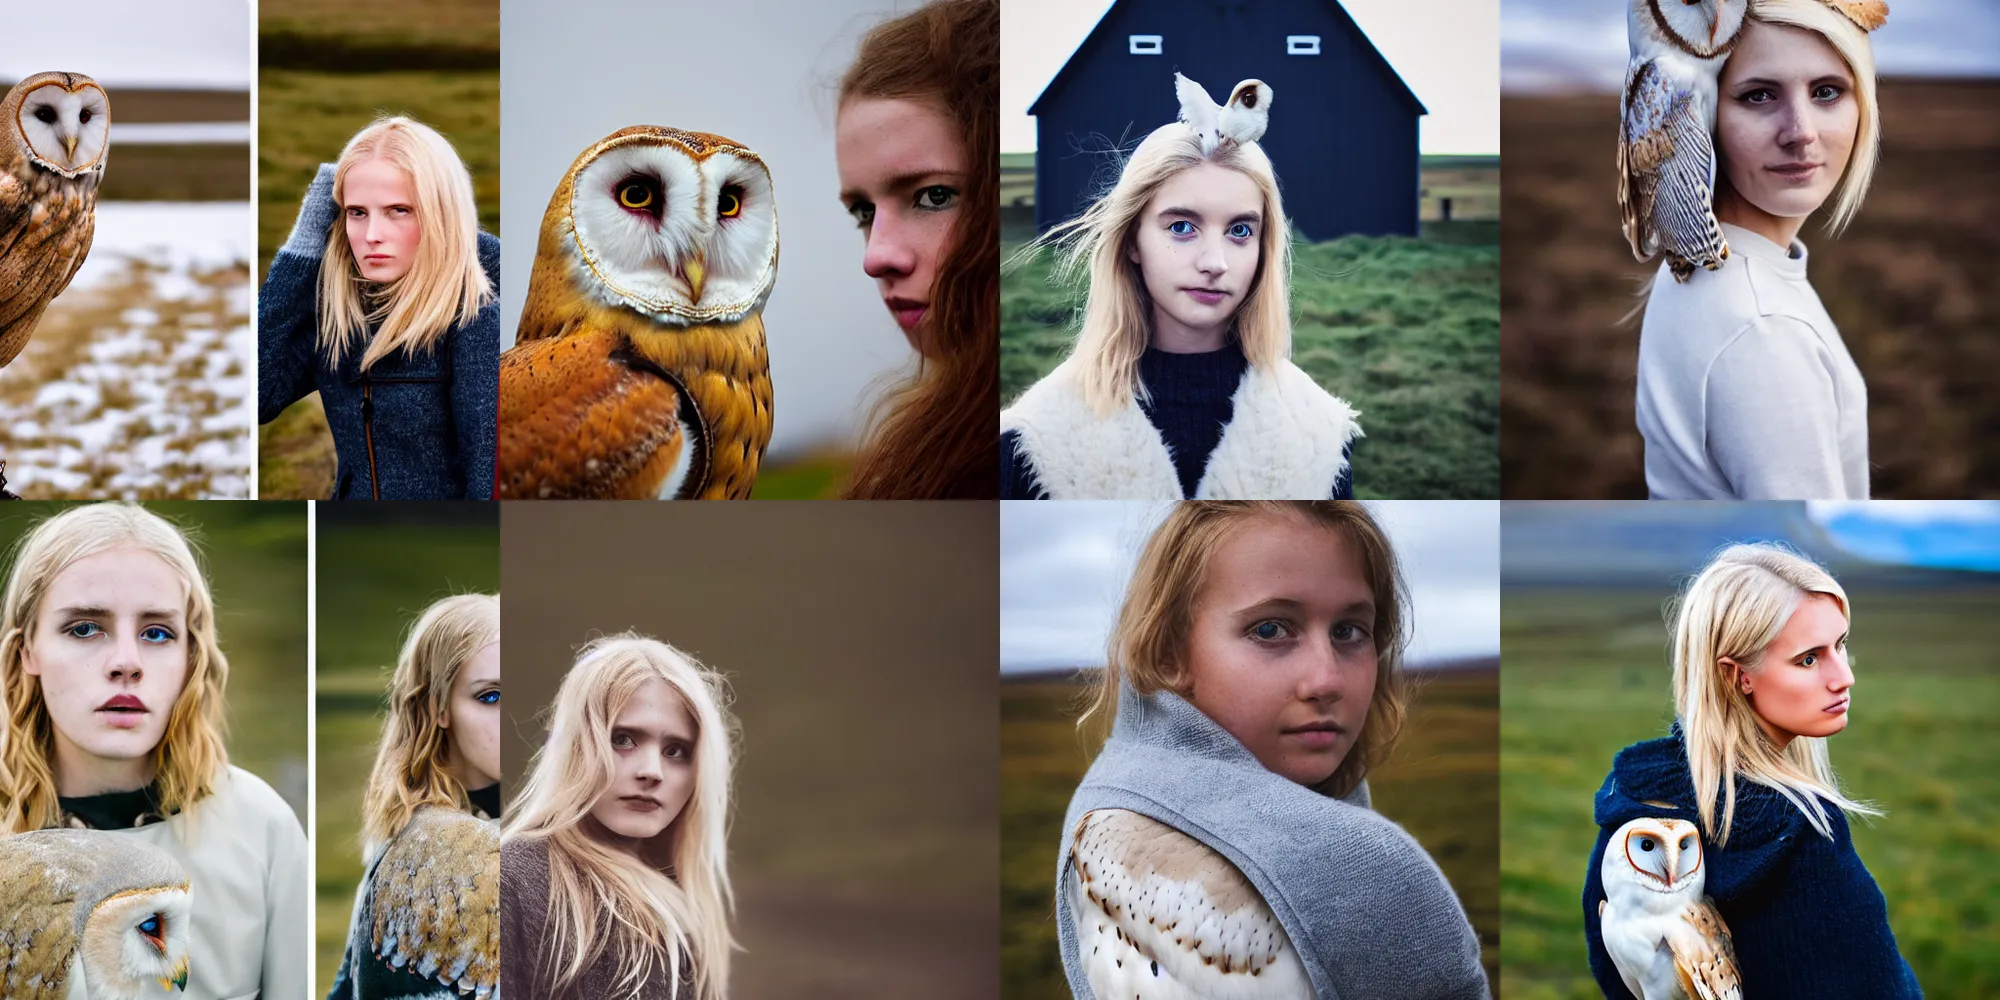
(446, 286)
(1735, 608)
(1149, 641)
(191, 754)
(674, 903)
(1118, 312)
(413, 765)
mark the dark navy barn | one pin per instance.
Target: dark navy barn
(1343, 133)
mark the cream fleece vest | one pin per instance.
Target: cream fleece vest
(1285, 441)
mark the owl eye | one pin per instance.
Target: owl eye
(636, 194)
(83, 116)
(1687, 841)
(151, 926)
(1646, 845)
(46, 115)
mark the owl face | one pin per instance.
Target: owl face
(678, 225)
(135, 944)
(1701, 28)
(64, 121)
(1663, 855)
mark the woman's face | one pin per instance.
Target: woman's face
(1197, 244)
(1281, 652)
(1802, 685)
(652, 741)
(381, 210)
(1786, 119)
(902, 176)
(110, 645)
(473, 718)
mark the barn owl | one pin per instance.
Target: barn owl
(1666, 146)
(435, 896)
(1662, 933)
(56, 131)
(1241, 120)
(1160, 916)
(642, 334)
(89, 914)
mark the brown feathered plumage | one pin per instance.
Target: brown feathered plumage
(54, 130)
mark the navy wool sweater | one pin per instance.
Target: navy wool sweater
(1807, 919)
(412, 427)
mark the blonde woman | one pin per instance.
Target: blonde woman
(1255, 672)
(614, 862)
(1181, 383)
(1745, 388)
(1761, 679)
(385, 301)
(113, 678)
(430, 804)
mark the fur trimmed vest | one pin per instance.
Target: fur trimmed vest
(1286, 441)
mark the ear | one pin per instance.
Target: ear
(444, 718)
(28, 664)
(1737, 675)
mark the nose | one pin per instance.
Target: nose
(1840, 676)
(891, 254)
(1797, 130)
(124, 663)
(1211, 263)
(1325, 677)
(648, 770)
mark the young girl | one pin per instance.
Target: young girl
(1224, 831)
(918, 141)
(113, 680)
(1745, 388)
(1761, 679)
(427, 812)
(1180, 384)
(384, 300)
(613, 864)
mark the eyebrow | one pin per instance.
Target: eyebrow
(1358, 606)
(1821, 647)
(1760, 81)
(96, 612)
(904, 182)
(660, 734)
(1189, 213)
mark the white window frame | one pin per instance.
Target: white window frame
(1302, 45)
(1144, 45)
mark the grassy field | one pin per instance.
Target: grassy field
(1909, 284)
(1586, 674)
(373, 582)
(1406, 330)
(1441, 786)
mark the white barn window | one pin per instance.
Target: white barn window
(1302, 45)
(1145, 45)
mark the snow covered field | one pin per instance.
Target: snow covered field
(138, 380)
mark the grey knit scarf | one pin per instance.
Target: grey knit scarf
(1369, 912)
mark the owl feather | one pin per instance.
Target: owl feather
(436, 900)
(90, 914)
(48, 194)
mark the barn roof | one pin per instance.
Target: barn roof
(1340, 14)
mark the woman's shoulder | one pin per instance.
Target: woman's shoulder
(241, 796)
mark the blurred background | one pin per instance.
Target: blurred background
(325, 69)
(1063, 572)
(858, 639)
(765, 73)
(1405, 327)
(379, 567)
(137, 381)
(1588, 672)
(1910, 283)
(255, 555)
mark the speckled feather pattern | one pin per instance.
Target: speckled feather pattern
(47, 222)
(437, 901)
(50, 883)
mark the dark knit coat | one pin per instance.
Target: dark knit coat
(1807, 919)
(526, 970)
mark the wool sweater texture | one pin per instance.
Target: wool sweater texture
(365, 975)
(1807, 919)
(1745, 389)
(1368, 911)
(526, 970)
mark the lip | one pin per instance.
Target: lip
(123, 711)
(378, 258)
(1315, 735)
(1206, 296)
(908, 312)
(1801, 171)
(1838, 707)
(641, 803)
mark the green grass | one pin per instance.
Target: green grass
(1441, 786)
(373, 582)
(1586, 674)
(1406, 330)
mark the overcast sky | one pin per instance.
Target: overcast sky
(130, 42)
(1064, 567)
(1581, 44)
(1452, 63)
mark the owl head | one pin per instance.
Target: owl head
(1701, 28)
(135, 943)
(1656, 853)
(61, 121)
(679, 226)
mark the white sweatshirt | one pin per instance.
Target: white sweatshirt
(1746, 391)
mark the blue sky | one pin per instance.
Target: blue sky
(1954, 534)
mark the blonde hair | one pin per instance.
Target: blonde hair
(190, 754)
(1735, 608)
(1118, 313)
(674, 899)
(445, 286)
(413, 764)
(1852, 44)
(1149, 641)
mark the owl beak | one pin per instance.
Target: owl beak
(69, 144)
(696, 270)
(180, 980)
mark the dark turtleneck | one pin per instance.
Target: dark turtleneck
(1190, 398)
(113, 810)
(486, 800)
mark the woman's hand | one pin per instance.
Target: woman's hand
(317, 214)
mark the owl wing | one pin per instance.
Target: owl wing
(1198, 110)
(1666, 169)
(436, 899)
(42, 244)
(724, 370)
(1160, 915)
(582, 416)
(1704, 956)
(38, 955)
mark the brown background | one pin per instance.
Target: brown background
(860, 640)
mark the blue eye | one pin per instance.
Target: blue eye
(1240, 231)
(487, 698)
(157, 634)
(151, 928)
(1269, 631)
(1181, 227)
(83, 630)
